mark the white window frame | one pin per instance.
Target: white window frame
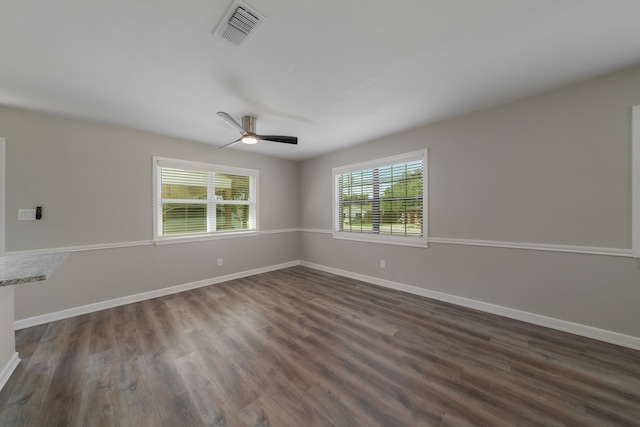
(2, 179)
(417, 241)
(635, 181)
(159, 238)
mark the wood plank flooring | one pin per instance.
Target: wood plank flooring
(298, 347)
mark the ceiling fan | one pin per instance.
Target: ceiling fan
(248, 131)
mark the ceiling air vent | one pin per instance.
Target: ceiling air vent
(239, 21)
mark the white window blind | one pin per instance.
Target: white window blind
(382, 200)
(194, 199)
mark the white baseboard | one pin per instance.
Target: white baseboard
(8, 369)
(90, 308)
(535, 319)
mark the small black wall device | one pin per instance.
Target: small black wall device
(39, 212)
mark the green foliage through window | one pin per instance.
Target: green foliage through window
(383, 200)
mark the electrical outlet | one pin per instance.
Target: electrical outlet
(219, 262)
(26, 214)
(382, 263)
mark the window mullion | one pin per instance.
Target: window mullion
(375, 203)
(211, 202)
(252, 202)
(159, 223)
(339, 215)
(191, 201)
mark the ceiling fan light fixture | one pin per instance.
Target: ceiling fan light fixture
(249, 139)
(248, 131)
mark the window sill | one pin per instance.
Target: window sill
(158, 241)
(416, 242)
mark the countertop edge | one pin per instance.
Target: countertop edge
(18, 269)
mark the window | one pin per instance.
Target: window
(199, 199)
(382, 200)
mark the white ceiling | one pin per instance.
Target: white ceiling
(332, 72)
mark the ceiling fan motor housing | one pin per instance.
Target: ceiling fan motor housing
(248, 131)
(249, 124)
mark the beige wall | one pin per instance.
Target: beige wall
(7, 337)
(553, 169)
(96, 276)
(94, 183)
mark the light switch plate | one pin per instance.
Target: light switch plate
(26, 214)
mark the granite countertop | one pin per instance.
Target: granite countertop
(15, 269)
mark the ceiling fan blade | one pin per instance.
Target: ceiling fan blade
(231, 143)
(279, 138)
(231, 122)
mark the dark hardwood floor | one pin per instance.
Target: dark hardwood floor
(298, 347)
